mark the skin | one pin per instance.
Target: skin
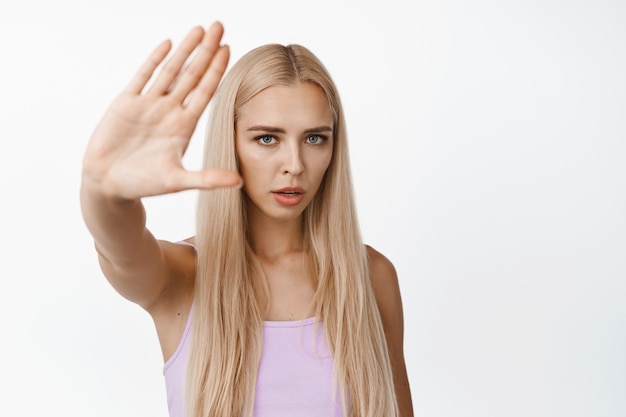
(136, 151)
(283, 139)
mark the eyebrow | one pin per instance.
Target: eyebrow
(271, 129)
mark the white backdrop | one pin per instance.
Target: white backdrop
(488, 144)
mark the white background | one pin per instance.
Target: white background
(488, 144)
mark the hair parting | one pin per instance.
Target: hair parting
(231, 297)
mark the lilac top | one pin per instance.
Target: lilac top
(294, 377)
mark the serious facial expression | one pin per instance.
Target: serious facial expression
(284, 141)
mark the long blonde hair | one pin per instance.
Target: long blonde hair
(231, 294)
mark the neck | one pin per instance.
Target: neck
(272, 239)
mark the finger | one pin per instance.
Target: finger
(143, 75)
(205, 89)
(206, 180)
(172, 67)
(193, 73)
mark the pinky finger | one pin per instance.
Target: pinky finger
(143, 75)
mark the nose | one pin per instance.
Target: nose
(292, 162)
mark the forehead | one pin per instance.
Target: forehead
(302, 104)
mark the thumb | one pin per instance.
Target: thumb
(208, 179)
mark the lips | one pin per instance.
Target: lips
(288, 196)
(289, 190)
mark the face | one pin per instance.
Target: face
(284, 141)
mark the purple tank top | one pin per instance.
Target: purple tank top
(294, 377)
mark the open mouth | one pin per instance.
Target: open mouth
(289, 196)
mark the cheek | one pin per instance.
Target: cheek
(253, 168)
(325, 163)
(246, 159)
(318, 168)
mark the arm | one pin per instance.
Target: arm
(387, 293)
(136, 151)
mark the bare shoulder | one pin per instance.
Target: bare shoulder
(381, 268)
(180, 258)
(384, 279)
(171, 310)
(383, 276)
(387, 293)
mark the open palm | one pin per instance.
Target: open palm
(137, 148)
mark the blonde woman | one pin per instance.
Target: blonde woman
(275, 307)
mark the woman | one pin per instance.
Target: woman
(275, 307)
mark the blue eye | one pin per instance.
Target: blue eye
(266, 140)
(315, 139)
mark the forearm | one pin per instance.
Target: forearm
(117, 226)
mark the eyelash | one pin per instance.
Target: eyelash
(322, 138)
(259, 139)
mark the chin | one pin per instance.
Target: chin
(288, 214)
(276, 213)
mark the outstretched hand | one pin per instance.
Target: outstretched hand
(137, 148)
